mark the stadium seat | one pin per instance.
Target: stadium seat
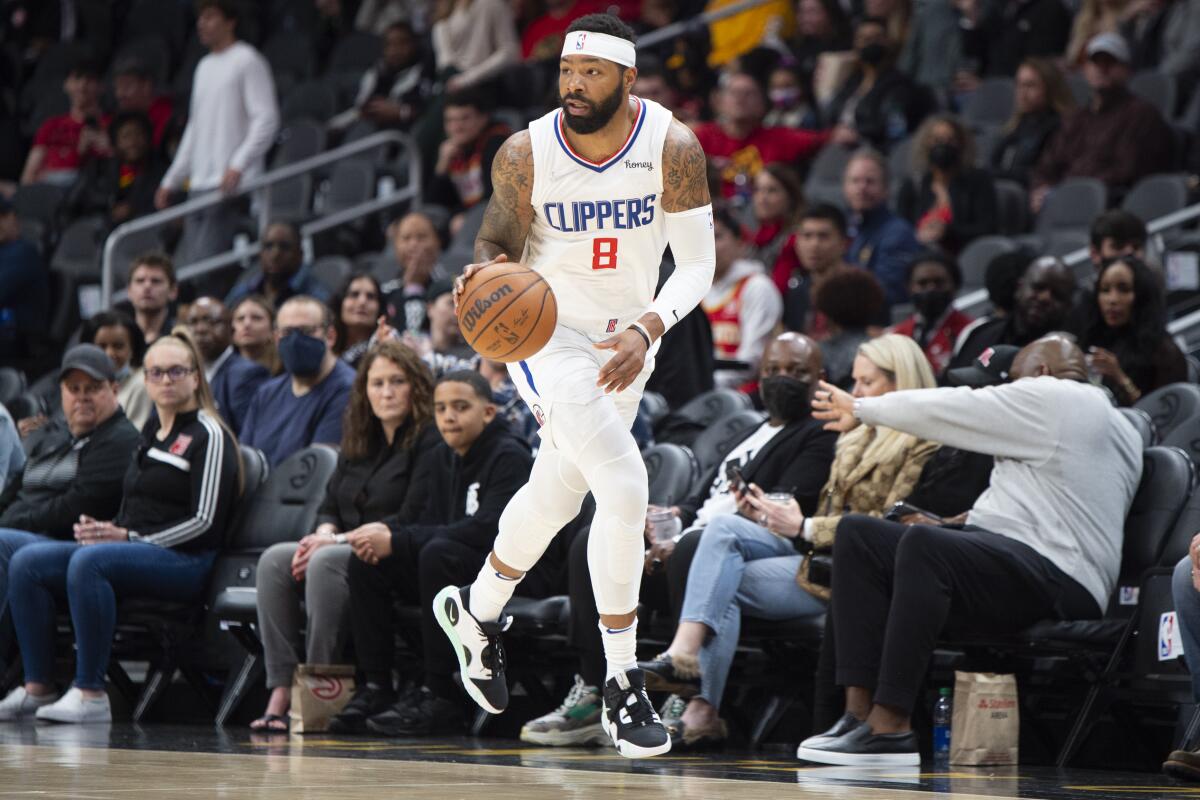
(900, 162)
(1171, 406)
(12, 385)
(1156, 88)
(355, 53)
(299, 139)
(311, 99)
(976, 256)
(291, 199)
(1012, 207)
(27, 404)
(824, 182)
(290, 55)
(78, 250)
(1185, 436)
(654, 406)
(1142, 423)
(707, 408)
(156, 18)
(282, 508)
(1064, 242)
(472, 222)
(1072, 205)
(990, 105)
(719, 437)
(154, 53)
(332, 271)
(351, 183)
(671, 470)
(1156, 196)
(39, 201)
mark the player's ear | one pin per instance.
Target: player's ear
(630, 77)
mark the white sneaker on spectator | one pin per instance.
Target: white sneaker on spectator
(20, 704)
(74, 707)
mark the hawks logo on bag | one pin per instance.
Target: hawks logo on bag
(327, 688)
(180, 445)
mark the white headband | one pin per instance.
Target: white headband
(600, 45)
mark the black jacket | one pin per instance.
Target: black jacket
(888, 112)
(951, 481)
(464, 495)
(1009, 31)
(379, 488)
(99, 189)
(1017, 154)
(180, 492)
(972, 205)
(796, 460)
(49, 496)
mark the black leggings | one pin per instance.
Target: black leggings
(898, 588)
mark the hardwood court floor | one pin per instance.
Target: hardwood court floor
(194, 763)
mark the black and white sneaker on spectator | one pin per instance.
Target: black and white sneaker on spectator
(861, 747)
(478, 647)
(847, 723)
(20, 704)
(630, 720)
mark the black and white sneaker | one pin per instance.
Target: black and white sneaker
(630, 720)
(860, 747)
(478, 647)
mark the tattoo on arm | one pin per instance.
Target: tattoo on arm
(685, 171)
(510, 212)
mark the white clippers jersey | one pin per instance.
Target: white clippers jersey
(598, 232)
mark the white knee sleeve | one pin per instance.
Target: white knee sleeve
(539, 510)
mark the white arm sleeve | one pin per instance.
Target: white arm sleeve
(690, 234)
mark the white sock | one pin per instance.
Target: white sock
(491, 592)
(620, 649)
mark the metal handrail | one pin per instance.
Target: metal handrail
(412, 190)
(1075, 257)
(695, 23)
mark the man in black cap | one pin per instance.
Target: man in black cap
(24, 290)
(75, 465)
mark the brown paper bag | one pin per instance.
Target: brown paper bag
(986, 727)
(319, 691)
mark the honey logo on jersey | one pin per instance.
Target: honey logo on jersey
(646, 165)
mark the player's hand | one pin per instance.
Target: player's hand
(835, 407)
(460, 283)
(626, 363)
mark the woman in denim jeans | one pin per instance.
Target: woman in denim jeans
(751, 562)
(179, 495)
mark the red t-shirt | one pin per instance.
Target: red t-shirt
(160, 114)
(60, 136)
(544, 36)
(743, 158)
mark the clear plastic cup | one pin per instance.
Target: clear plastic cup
(662, 523)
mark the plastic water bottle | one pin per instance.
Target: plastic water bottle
(943, 714)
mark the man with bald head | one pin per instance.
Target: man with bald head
(789, 452)
(1044, 541)
(1045, 294)
(232, 378)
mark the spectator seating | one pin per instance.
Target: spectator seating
(719, 437)
(282, 507)
(12, 385)
(1142, 424)
(1012, 207)
(291, 200)
(352, 182)
(671, 472)
(39, 201)
(711, 406)
(1156, 196)
(824, 182)
(976, 256)
(1156, 88)
(156, 18)
(1172, 406)
(154, 53)
(900, 164)
(311, 99)
(654, 406)
(290, 57)
(298, 140)
(1185, 436)
(990, 105)
(332, 272)
(77, 251)
(1071, 206)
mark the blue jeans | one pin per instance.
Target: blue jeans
(11, 540)
(740, 567)
(91, 577)
(1187, 613)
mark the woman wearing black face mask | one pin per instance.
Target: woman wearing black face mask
(951, 202)
(933, 281)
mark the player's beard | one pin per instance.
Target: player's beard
(600, 114)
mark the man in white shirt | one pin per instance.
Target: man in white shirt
(231, 124)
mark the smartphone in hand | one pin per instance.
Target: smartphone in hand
(733, 474)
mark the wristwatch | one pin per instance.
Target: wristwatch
(339, 538)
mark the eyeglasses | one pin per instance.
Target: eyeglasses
(276, 245)
(157, 374)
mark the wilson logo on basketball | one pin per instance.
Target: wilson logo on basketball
(326, 688)
(475, 313)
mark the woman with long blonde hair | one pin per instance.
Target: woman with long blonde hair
(179, 496)
(759, 561)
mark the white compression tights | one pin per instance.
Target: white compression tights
(589, 447)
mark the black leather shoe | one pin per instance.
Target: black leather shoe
(666, 673)
(847, 723)
(1183, 764)
(862, 748)
(366, 703)
(424, 715)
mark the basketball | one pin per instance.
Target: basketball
(507, 312)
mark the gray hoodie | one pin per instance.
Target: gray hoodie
(1067, 465)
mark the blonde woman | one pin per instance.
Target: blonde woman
(755, 562)
(180, 492)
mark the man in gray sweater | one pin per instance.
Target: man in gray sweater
(1044, 540)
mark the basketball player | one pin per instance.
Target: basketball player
(589, 196)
